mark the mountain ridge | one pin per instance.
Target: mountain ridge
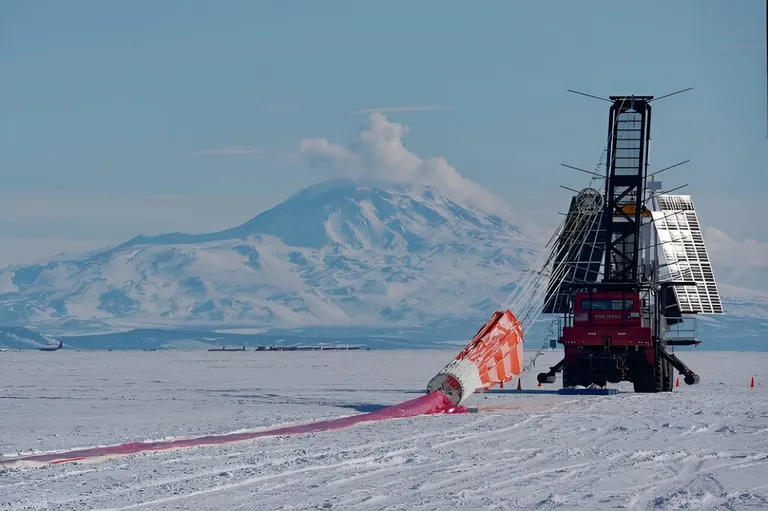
(402, 247)
(333, 253)
(343, 254)
(272, 221)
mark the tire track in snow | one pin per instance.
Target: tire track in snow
(244, 482)
(181, 456)
(589, 453)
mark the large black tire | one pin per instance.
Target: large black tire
(652, 378)
(568, 377)
(647, 382)
(669, 376)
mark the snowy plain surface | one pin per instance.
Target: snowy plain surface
(700, 447)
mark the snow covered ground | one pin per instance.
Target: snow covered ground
(701, 447)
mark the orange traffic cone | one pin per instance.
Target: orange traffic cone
(677, 381)
(752, 383)
(519, 387)
(539, 384)
(501, 385)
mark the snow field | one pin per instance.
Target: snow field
(700, 447)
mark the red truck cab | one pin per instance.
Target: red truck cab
(607, 319)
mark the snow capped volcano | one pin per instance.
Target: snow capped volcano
(392, 241)
(337, 253)
(346, 212)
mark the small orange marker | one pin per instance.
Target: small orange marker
(752, 383)
(519, 387)
(677, 381)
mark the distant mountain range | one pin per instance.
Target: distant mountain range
(383, 265)
(338, 254)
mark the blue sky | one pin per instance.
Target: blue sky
(114, 116)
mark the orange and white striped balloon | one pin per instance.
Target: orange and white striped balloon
(493, 356)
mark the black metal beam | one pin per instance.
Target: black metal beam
(629, 131)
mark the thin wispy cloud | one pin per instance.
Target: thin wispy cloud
(233, 150)
(387, 109)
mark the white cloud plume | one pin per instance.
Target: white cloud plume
(727, 251)
(233, 150)
(738, 262)
(387, 109)
(379, 155)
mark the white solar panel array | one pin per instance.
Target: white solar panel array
(686, 255)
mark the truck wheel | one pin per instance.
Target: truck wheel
(643, 380)
(649, 378)
(659, 374)
(568, 377)
(669, 376)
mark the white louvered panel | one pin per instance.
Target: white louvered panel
(686, 255)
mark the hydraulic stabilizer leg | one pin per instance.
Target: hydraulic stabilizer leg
(549, 377)
(689, 376)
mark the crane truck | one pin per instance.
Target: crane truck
(636, 269)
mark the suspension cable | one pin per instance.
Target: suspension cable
(528, 300)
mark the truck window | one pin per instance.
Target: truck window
(606, 304)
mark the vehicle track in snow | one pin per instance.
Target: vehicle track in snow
(701, 447)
